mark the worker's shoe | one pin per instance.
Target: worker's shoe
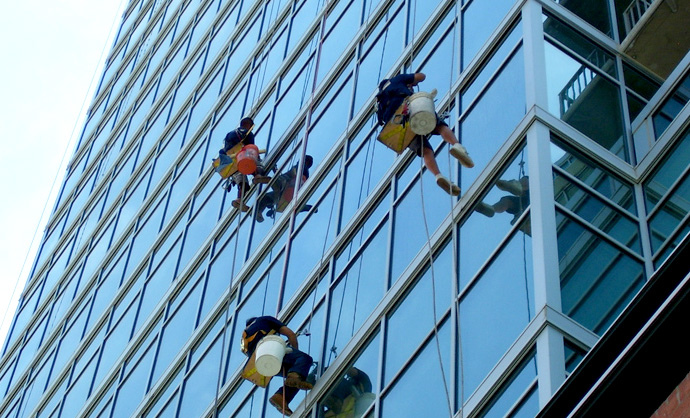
(294, 380)
(278, 402)
(259, 217)
(511, 186)
(459, 152)
(259, 179)
(238, 204)
(485, 209)
(447, 185)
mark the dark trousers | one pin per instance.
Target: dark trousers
(297, 362)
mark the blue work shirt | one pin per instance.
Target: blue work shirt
(261, 326)
(391, 95)
(236, 136)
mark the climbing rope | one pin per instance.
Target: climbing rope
(428, 236)
(333, 349)
(227, 307)
(454, 232)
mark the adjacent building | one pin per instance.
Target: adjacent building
(506, 301)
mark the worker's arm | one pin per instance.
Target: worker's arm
(418, 78)
(291, 336)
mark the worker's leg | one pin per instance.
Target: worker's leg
(456, 149)
(430, 161)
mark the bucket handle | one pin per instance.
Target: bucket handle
(261, 151)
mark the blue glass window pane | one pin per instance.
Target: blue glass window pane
(597, 279)
(482, 129)
(668, 172)
(116, 341)
(504, 209)
(405, 397)
(106, 290)
(307, 246)
(440, 67)
(35, 390)
(586, 100)
(201, 383)
(79, 391)
(573, 356)
(517, 397)
(496, 309)
(413, 319)
(357, 293)
(579, 44)
(479, 20)
(597, 212)
(356, 389)
(412, 220)
(70, 340)
(133, 388)
(595, 177)
(595, 12)
(671, 214)
(157, 285)
(379, 59)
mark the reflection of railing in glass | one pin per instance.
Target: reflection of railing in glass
(574, 88)
(634, 12)
(672, 106)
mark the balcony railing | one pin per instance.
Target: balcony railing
(634, 12)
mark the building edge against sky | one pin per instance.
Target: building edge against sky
(574, 112)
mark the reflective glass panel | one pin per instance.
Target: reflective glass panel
(580, 45)
(586, 100)
(518, 396)
(672, 106)
(486, 125)
(493, 217)
(479, 20)
(593, 176)
(597, 212)
(357, 292)
(595, 12)
(355, 389)
(413, 319)
(409, 397)
(597, 279)
(668, 173)
(495, 310)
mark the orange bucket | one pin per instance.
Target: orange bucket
(247, 159)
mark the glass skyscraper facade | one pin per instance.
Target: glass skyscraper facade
(573, 111)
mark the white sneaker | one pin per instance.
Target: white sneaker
(459, 152)
(447, 186)
(511, 186)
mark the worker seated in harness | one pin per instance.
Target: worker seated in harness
(295, 366)
(283, 191)
(392, 110)
(350, 397)
(232, 145)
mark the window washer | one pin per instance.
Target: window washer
(391, 101)
(295, 364)
(283, 191)
(232, 144)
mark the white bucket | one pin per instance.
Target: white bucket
(269, 355)
(422, 112)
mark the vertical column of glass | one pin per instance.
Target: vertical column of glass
(550, 351)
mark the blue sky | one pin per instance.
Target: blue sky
(52, 53)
